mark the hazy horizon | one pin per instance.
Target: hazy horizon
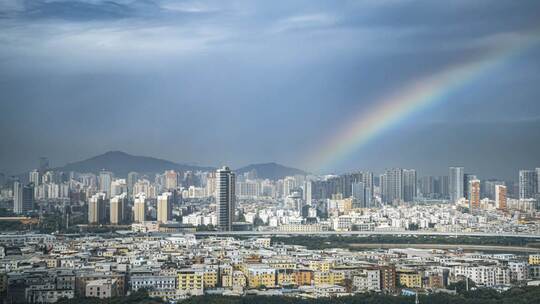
(442, 172)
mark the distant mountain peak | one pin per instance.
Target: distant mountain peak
(121, 163)
(115, 152)
(271, 170)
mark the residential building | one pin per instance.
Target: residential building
(164, 207)
(456, 183)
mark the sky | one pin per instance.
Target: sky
(241, 82)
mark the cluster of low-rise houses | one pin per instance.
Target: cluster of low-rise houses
(432, 217)
(44, 268)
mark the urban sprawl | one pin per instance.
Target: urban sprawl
(182, 234)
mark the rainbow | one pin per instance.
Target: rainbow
(418, 95)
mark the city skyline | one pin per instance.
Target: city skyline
(442, 171)
(254, 151)
(254, 78)
(176, 232)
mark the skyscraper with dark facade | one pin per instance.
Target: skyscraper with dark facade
(225, 198)
(391, 183)
(23, 197)
(409, 185)
(359, 195)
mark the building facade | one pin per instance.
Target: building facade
(225, 198)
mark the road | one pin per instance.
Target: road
(450, 246)
(365, 233)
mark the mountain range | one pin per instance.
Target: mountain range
(271, 171)
(121, 163)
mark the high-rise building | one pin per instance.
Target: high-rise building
(132, 178)
(139, 208)
(443, 186)
(383, 185)
(490, 188)
(427, 186)
(105, 180)
(368, 197)
(211, 184)
(367, 179)
(392, 186)
(97, 213)
(171, 180)
(289, 183)
(307, 192)
(295, 200)
(433, 186)
(118, 204)
(248, 189)
(17, 197)
(537, 180)
(35, 177)
(474, 195)
(455, 183)
(225, 198)
(118, 186)
(528, 181)
(398, 185)
(340, 185)
(189, 179)
(164, 207)
(359, 195)
(144, 186)
(23, 197)
(49, 177)
(500, 197)
(466, 183)
(409, 185)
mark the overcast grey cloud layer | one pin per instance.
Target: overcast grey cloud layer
(238, 82)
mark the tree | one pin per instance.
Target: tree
(413, 226)
(461, 286)
(348, 284)
(258, 222)
(208, 227)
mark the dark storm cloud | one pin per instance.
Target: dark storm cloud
(236, 82)
(76, 10)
